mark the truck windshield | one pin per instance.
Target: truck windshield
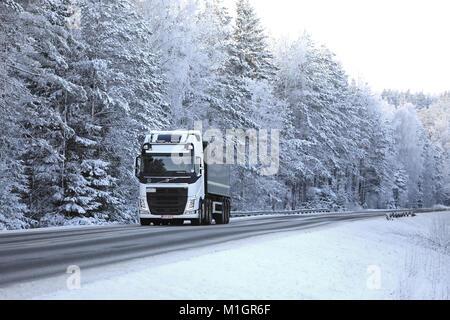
(167, 165)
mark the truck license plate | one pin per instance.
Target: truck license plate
(166, 217)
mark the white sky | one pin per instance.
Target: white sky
(395, 44)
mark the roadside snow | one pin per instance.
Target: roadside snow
(406, 258)
(62, 228)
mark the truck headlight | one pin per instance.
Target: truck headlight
(144, 206)
(190, 206)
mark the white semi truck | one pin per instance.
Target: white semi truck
(177, 184)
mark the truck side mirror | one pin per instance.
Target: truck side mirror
(198, 168)
(137, 167)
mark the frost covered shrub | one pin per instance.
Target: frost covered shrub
(50, 220)
(12, 224)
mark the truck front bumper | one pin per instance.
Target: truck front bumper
(185, 216)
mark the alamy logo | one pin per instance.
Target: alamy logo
(74, 280)
(374, 280)
(232, 148)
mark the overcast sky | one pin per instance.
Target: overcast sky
(398, 44)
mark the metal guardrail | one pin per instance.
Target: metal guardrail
(285, 212)
(431, 210)
(390, 213)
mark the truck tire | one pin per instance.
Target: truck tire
(222, 218)
(208, 212)
(145, 222)
(157, 222)
(228, 211)
(219, 218)
(199, 220)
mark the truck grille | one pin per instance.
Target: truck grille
(167, 201)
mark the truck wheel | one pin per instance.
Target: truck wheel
(221, 218)
(227, 211)
(208, 212)
(145, 222)
(199, 220)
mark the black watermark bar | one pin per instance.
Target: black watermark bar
(226, 309)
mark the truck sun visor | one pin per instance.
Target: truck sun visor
(168, 138)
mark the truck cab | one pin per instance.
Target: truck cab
(174, 180)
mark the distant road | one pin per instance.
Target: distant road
(26, 256)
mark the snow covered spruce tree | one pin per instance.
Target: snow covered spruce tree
(436, 119)
(372, 166)
(228, 95)
(124, 90)
(14, 96)
(43, 23)
(89, 92)
(256, 60)
(410, 146)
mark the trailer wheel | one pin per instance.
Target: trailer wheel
(222, 218)
(219, 218)
(227, 211)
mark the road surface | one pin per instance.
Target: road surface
(27, 256)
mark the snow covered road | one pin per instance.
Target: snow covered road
(315, 257)
(28, 255)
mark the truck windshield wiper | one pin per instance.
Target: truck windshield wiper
(165, 180)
